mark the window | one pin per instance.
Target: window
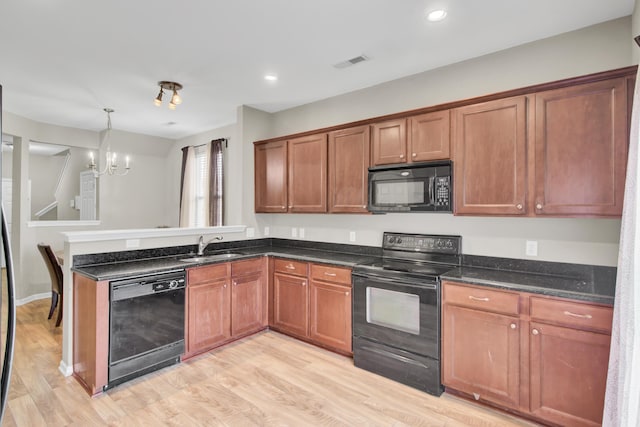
(201, 200)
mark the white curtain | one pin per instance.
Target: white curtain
(622, 400)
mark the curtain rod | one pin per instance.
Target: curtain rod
(225, 140)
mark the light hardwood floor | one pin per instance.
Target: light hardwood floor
(267, 379)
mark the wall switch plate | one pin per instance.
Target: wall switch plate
(531, 248)
(132, 243)
(266, 231)
(294, 232)
(251, 232)
(352, 236)
(301, 234)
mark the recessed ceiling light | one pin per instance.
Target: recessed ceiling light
(436, 15)
(270, 77)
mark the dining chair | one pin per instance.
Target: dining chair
(55, 272)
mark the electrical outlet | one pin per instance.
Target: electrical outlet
(531, 248)
(266, 231)
(294, 232)
(301, 234)
(251, 232)
(352, 236)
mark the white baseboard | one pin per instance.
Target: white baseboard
(66, 370)
(31, 298)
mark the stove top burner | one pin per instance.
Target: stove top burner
(416, 255)
(402, 266)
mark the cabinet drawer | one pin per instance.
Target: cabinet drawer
(331, 274)
(481, 298)
(245, 267)
(207, 273)
(288, 266)
(574, 314)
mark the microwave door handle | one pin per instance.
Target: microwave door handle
(431, 184)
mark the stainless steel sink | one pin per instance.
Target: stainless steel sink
(216, 257)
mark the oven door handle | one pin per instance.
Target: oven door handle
(409, 282)
(398, 357)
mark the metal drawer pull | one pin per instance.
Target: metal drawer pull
(478, 298)
(289, 267)
(329, 274)
(535, 332)
(512, 326)
(581, 316)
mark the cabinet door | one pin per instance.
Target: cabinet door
(390, 142)
(481, 354)
(291, 304)
(429, 136)
(271, 176)
(208, 315)
(308, 174)
(248, 311)
(331, 315)
(581, 149)
(348, 169)
(568, 374)
(490, 157)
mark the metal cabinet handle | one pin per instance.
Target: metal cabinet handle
(414, 155)
(289, 267)
(225, 285)
(519, 206)
(513, 326)
(538, 205)
(290, 206)
(581, 316)
(535, 332)
(303, 283)
(471, 297)
(402, 156)
(346, 293)
(326, 273)
(235, 283)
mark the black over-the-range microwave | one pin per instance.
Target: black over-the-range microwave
(416, 187)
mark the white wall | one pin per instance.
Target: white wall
(590, 241)
(137, 200)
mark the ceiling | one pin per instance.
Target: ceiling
(63, 61)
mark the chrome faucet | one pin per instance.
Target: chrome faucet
(202, 245)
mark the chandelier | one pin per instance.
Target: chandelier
(111, 163)
(175, 98)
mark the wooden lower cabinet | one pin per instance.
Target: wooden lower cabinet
(330, 311)
(248, 297)
(224, 302)
(312, 302)
(548, 361)
(482, 354)
(208, 308)
(291, 304)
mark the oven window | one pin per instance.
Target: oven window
(399, 193)
(395, 310)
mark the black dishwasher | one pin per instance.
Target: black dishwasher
(146, 324)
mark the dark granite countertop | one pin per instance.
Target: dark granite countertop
(118, 269)
(545, 284)
(575, 281)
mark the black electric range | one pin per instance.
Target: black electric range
(396, 308)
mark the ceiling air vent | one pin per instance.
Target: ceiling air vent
(352, 61)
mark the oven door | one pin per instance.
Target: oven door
(404, 314)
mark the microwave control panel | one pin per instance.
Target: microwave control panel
(442, 190)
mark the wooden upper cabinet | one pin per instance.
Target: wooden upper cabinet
(308, 173)
(271, 176)
(348, 169)
(490, 170)
(581, 136)
(389, 142)
(428, 136)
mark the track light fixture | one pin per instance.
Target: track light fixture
(175, 98)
